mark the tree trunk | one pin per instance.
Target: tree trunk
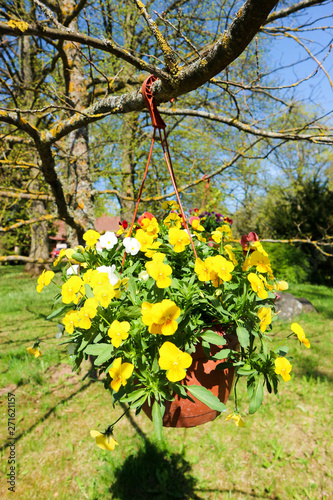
(128, 166)
(79, 181)
(39, 247)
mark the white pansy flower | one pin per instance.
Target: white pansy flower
(74, 269)
(143, 276)
(108, 240)
(113, 278)
(132, 245)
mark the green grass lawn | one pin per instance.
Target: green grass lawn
(283, 452)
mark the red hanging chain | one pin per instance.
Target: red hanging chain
(207, 194)
(158, 123)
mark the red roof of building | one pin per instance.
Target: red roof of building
(102, 224)
(107, 223)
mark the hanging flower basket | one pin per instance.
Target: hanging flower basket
(145, 302)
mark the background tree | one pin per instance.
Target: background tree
(91, 74)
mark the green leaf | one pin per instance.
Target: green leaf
(206, 348)
(105, 355)
(223, 366)
(85, 341)
(245, 372)
(243, 336)
(89, 292)
(223, 354)
(157, 420)
(58, 312)
(133, 396)
(132, 289)
(139, 402)
(206, 397)
(98, 337)
(250, 383)
(78, 256)
(131, 312)
(282, 350)
(213, 338)
(257, 398)
(96, 349)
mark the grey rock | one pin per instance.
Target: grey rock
(308, 307)
(288, 306)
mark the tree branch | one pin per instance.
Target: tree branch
(21, 223)
(292, 9)
(26, 196)
(244, 127)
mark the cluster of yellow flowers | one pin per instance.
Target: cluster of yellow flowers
(216, 269)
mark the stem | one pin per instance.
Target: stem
(121, 416)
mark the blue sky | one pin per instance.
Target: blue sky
(318, 89)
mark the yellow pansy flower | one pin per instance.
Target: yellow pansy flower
(257, 286)
(172, 205)
(104, 293)
(200, 237)
(150, 226)
(258, 246)
(222, 267)
(165, 314)
(87, 312)
(104, 440)
(296, 328)
(231, 255)
(69, 254)
(173, 220)
(225, 229)
(202, 269)
(179, 239)
(246, 264)
(61, 255)
(70, 289)
(70, 321)
(174, 361)
(267, 285)
(217, 236)
(159, 272)
(118, 332)
(283, 368)
(196, 225)
(91, 237)
(237, 418)
(265, 316)
(280, 286)
(97, 278)
(88, 276)
(145, 240)
(44, 280)
(147, 319)
(120, 372)
(261, 262)
(34, 351)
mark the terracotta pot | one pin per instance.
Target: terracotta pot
(182, 412)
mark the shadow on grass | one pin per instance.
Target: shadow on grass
(45, 416)
(308, 368)
(154, 472)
